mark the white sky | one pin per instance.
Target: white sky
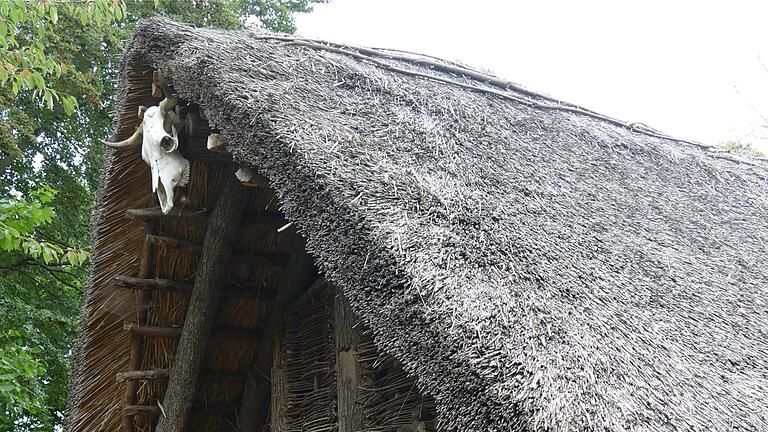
(688, 68)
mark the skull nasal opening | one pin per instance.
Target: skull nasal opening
(167, 143)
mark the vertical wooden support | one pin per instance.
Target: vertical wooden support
(279, 403)
(295, 278)
(146, 269)
(348, 373)
(220, 236)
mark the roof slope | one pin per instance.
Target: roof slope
(537, 268)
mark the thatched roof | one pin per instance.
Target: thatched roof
(534, 265)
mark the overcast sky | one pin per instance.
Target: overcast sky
(689, 68)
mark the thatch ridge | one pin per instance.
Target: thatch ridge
(535, 269)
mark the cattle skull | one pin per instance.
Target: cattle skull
(160, 150)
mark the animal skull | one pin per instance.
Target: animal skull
(160, 150)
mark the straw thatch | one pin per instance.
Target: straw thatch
(534, 265)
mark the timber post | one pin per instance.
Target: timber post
(348, 373)
(220, 236)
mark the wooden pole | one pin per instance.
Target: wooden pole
(215, 376)
(279, 402)
(348, 374)
(146, 268)
(263, 218)
(220, 236)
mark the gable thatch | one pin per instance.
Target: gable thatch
(535, 266)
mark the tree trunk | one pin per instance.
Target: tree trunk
(220, 236)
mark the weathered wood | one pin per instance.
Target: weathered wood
(152, 331)
(140, 410)
(207, 376)
(348, 373)
(294, 279)
(174, 243)
(264, 217)
(249, 178)
(166, 285)
(279, 400)
(142, 375)
(215, 144)
(252, 259)
(154, 213)
(220, 237)
(146, 268)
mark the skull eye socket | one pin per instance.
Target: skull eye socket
(168, 144)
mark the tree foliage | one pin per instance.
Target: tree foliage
(57, 75)
(742, 148)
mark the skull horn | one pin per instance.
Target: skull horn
(132, 141)
(167, 104)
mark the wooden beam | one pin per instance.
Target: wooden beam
(154, 374)
(142, 375)
(155, 213)
(224, 332)
(152, 331)
(264, 217)
(348, 374)
(174, 243)
(220, 237)
(166, 285)
(215, 144)
(140, 410)
(249, 178)
(251, 259)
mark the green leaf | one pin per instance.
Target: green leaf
(48, 99)
(17, 15)
(69, 103)
(53, 14)
(72, 257)
(38, 80)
